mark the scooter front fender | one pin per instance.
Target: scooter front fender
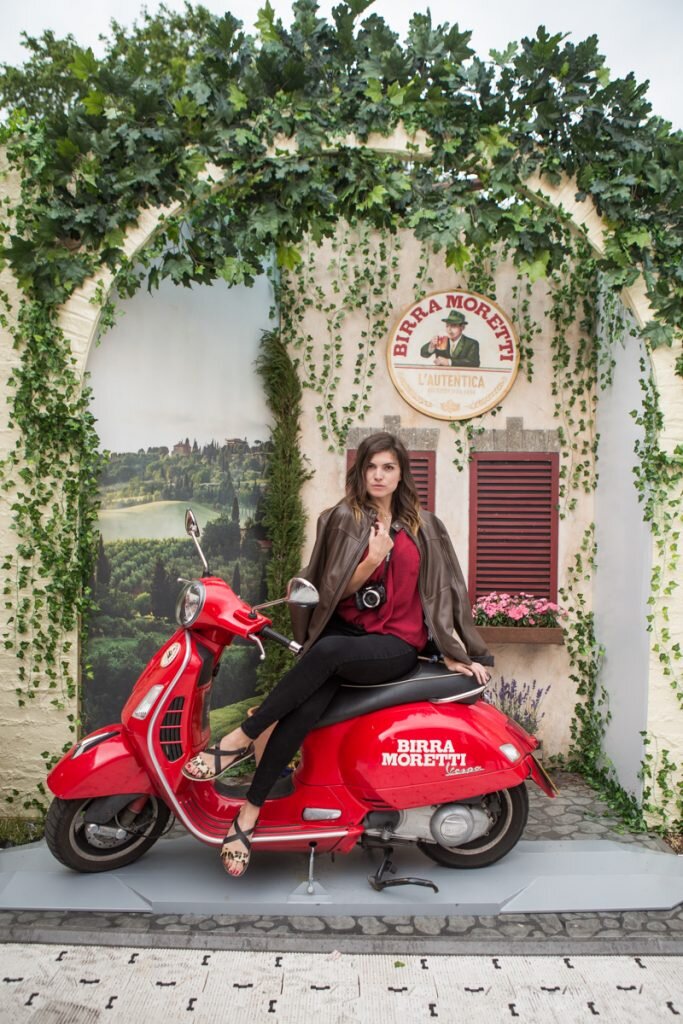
(539, 775)
(102, 764)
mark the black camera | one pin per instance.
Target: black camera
(370, 597)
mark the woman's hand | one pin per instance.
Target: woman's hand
(379, 546)
(473, 669)
(380, 543)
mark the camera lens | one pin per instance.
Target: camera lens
(371, 598)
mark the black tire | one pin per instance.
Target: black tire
(506, 831)
(67, 839)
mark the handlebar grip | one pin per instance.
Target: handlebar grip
(272, 634)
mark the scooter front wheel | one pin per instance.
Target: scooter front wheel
(89, 847)
(509, 810)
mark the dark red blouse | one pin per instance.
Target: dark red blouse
(401, 614)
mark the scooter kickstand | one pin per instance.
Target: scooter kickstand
(378, 882)
(310, 887)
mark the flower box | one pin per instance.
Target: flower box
(522, 634)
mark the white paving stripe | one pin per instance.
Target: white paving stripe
(44, 984)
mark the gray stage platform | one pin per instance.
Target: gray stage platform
(181, 876)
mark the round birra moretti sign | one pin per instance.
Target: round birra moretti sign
(453, 355)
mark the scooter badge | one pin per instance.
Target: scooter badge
(170, 655)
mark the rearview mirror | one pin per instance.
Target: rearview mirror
(301, 592)
(191, 524)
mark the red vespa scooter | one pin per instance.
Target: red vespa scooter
(422, 760)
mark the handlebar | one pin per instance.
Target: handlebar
(272, 634)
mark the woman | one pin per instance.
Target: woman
(376, 537)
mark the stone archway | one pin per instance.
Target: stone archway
(79, 320)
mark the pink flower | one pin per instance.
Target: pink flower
(501, 609)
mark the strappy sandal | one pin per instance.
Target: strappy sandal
(237, 856)
(205, 774)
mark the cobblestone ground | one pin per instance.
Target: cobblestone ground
(576, 814)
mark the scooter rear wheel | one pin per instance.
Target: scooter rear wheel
(507, 828)
(101, 848)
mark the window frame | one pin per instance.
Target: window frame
(553, 461)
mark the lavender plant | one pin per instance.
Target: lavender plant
(519, 701)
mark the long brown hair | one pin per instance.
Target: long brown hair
(405, 501)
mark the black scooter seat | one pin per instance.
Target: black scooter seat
(430, 681)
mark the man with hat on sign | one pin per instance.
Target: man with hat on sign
(452, 348)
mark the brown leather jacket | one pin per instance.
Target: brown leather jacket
(339, 546)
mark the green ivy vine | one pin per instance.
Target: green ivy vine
(659, 481)
(362, 272)
(50, 480)
(574, 371)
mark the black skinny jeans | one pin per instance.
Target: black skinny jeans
(301, 697)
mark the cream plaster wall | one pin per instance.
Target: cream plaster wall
(39, 728)
(531, 400)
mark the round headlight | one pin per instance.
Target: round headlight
(190, 603)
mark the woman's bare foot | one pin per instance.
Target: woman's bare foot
(236, 848)
(210, 764)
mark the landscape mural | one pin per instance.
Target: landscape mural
(143, 551)
(180, 432)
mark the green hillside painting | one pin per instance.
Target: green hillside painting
(143, 551)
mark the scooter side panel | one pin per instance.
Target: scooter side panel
(287, 824)
(100, 769)
(161, 668)
(431, 754)
(321, 763)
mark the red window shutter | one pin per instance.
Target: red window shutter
(423, 468)
(514, 523)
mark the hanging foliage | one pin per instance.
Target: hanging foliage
(98, 139)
